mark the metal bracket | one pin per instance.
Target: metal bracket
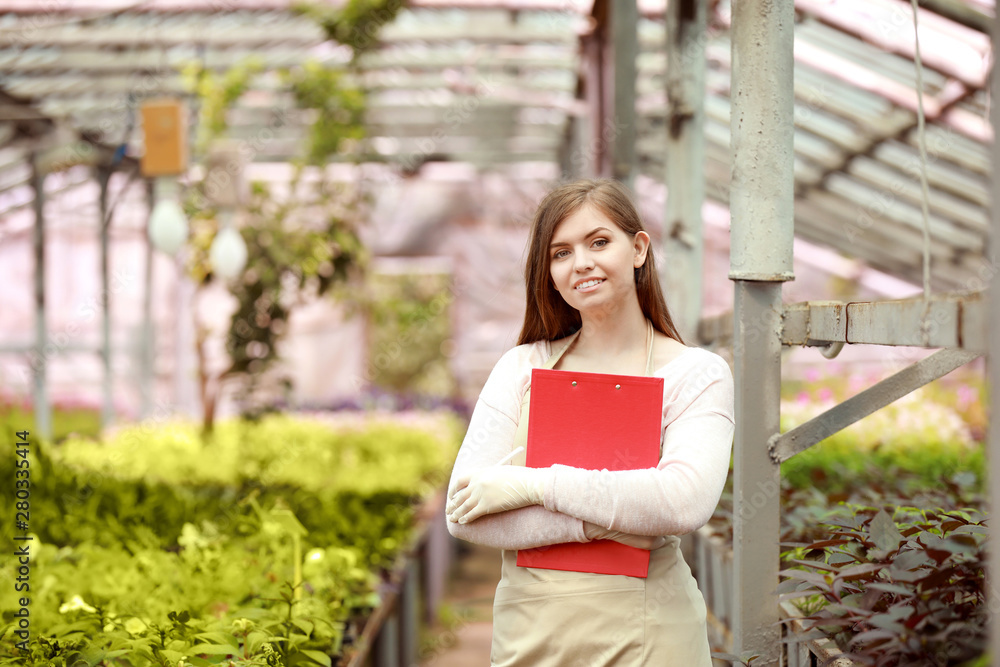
(783, 446)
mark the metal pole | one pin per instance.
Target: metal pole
(107, 406)
(594, 149)
(624, 18)
(409, 603)
(761, 132)
(761, 200)
(387, 640)
(43, 411)
(756, 478)
(685, 172)
(146, 379)
(786, 445)
(993, 371)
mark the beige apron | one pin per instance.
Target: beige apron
(553, 618)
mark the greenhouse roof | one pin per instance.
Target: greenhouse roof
(494, 83)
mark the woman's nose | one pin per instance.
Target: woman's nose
(584, 262)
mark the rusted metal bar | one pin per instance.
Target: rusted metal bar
(946, 320)
(685, 159)
(784, 446)
(716, 331)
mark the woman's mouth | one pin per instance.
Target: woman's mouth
(588, 285)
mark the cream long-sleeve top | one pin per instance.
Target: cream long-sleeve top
(676, 497)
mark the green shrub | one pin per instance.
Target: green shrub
(66, 421)
(159, 525)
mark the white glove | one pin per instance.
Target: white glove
(495, 489)
(596, 532)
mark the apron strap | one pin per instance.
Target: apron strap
(649, 347)
(554, 359)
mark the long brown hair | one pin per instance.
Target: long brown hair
(547, 316)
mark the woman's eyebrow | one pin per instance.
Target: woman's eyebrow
(595, 231)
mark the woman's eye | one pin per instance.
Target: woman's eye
(600, 243)
(560, 254)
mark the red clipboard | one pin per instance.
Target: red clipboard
(595, 421)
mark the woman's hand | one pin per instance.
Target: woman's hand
(595, 532)
(495, 489)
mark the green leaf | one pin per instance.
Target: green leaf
(884, 532)
(303, 625)
(318, 657)
(218, 638)
(214, 649)
(173, 656)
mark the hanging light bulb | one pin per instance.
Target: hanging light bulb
(168, 228)
(228, 253)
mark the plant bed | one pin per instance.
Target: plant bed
(804, 650)
(907, 589)
(812, 530)
(929, 464)
(268, 545)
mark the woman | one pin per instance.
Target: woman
(594, 304)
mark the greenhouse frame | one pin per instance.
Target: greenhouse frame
(813, 119)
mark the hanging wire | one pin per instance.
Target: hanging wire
(922, 144)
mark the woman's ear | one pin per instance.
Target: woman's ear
(641, 244)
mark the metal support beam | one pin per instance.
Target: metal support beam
(39, 360)
(945, 320)
(993, 367)
(756, 478)
(762, 184)
(107, 404)
(760, 258)
(786, 445)
(146, 350)
(43, 411)
(387, 641)
(956, 320)
(593, 148)
(685, 160)
(623, 16)
(409, 615)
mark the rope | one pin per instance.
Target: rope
(922, 145)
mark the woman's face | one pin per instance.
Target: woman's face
(593, 260)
